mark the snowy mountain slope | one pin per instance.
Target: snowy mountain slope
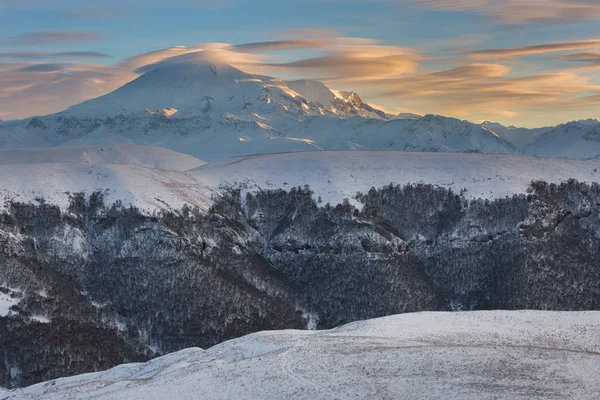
(518, 136)
(150, 157)
(577, 139)
(430, 133)
(221, 137)
(470, 355)
(145, 188)
(335, 175)
(331, 175)
(15, 138)
(213, 111)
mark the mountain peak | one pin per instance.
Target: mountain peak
(178, 83)
(190, 69)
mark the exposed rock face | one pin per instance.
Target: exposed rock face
(103, 285)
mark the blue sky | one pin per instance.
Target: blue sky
(449, 57)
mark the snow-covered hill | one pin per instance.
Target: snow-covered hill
(472, 355)
(146, 188)
(335, 175)
(332, 175)
(142, 156)
(213, 111)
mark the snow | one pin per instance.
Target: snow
(19, 138)
(578, 139)
(336, 175)
(151, 157)
(41, 319)
(165, 112)
(331, 175)
(146, 188)
(317, 92)
(150, 178)
(7, 300)
(466, 355)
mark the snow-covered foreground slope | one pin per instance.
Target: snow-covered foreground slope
(470, 355)
(336, 175)
(148, 189)
(143, 156)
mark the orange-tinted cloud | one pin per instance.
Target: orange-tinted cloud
(354, 63)
(482, 91)
(513, 52)
(519, 11)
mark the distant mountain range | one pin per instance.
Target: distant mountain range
(214, 111)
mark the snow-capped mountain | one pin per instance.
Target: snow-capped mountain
(213, 110)
(518, 136)
(476, 355)
(577, 139)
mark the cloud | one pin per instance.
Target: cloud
(308, 32)
(347, 66)
(353, 62)
(283, 45)
(520, 11)
(27, 88)
(474, 71)
(42, 68)
(51, 37)
(481, 91)
(23, 55)
(208, 54)
(507, 53)
(590, 58)
(40, 55)
(80, 54)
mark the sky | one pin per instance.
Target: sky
(518, 62)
